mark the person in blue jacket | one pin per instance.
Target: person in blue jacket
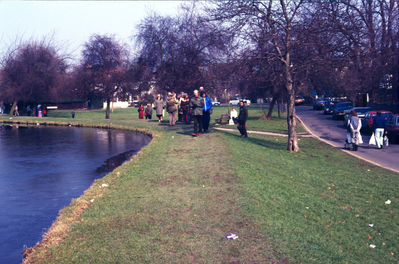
(206, 111)
(379, 129)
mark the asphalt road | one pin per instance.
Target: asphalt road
(334, 132)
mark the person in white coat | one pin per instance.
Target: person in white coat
(354, 126)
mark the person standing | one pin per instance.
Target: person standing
(148, 111)
(242, 119)
(28, 110)
(159, 105)
(141, 111)
(379, 129)
(354, 126)
(206, 111)
(171, 108)
(196, 104)
(185, 107)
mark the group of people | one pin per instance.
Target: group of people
(198, 109)
(354, 136)
(37, 110)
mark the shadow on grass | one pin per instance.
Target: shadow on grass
(264, 142)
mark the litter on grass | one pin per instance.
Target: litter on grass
(371, 225)
(104, 185)
(372, 245)
(388, 202)
(232, 236)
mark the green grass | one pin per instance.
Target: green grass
(176, 201)
(276, 124)
(316, 206)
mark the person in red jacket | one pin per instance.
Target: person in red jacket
(141, 111)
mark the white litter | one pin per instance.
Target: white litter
(307, 208)
(232, 236)
(92, 200)
(104, 185)
(203, 186)
(372, 245)
(371, 225)
(388, 202)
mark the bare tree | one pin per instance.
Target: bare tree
(179, 52)
(30, 73)
(103, 69)
(278, 19)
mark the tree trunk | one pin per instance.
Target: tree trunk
(14, 105)
(291, 117)
(271, 106)
(108, 109)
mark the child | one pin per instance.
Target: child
(148, 111)
(141, 111)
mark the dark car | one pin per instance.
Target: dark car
(367, 121)
(319, 104)
(361, 112)
(328, 107)
(393, 127)
(340, 108)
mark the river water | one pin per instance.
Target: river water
(43, 168)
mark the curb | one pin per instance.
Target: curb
(343, 150)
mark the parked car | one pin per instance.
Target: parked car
(328, 108)
(299, 100)
(236, 100)
(361, 112)
(340, 108)
(215, 103)
(393, 127)
(367, 121)
(319, 103)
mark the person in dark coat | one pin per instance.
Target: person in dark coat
(148, 112)
(196, 104)
(185, 107)
(379, 129)
(242, 119)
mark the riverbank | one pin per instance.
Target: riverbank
(178, 199)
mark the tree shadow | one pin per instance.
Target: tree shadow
(264, 142)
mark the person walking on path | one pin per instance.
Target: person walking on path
(171, 108)
(148, 112)
(141, 111)
(159, 105)
(206, 111)
(242, 119)
(196, 104)
(354, 126)
(379, 129)
(185, 107)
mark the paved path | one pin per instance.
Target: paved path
(262, 132)
(334, 133)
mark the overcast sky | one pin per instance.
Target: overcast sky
(71, 23)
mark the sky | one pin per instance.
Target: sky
(71, 23)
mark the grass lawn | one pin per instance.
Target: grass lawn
(177, 200)
(276, 124)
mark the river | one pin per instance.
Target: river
(43, 168)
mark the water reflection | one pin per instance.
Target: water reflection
(43, 168)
